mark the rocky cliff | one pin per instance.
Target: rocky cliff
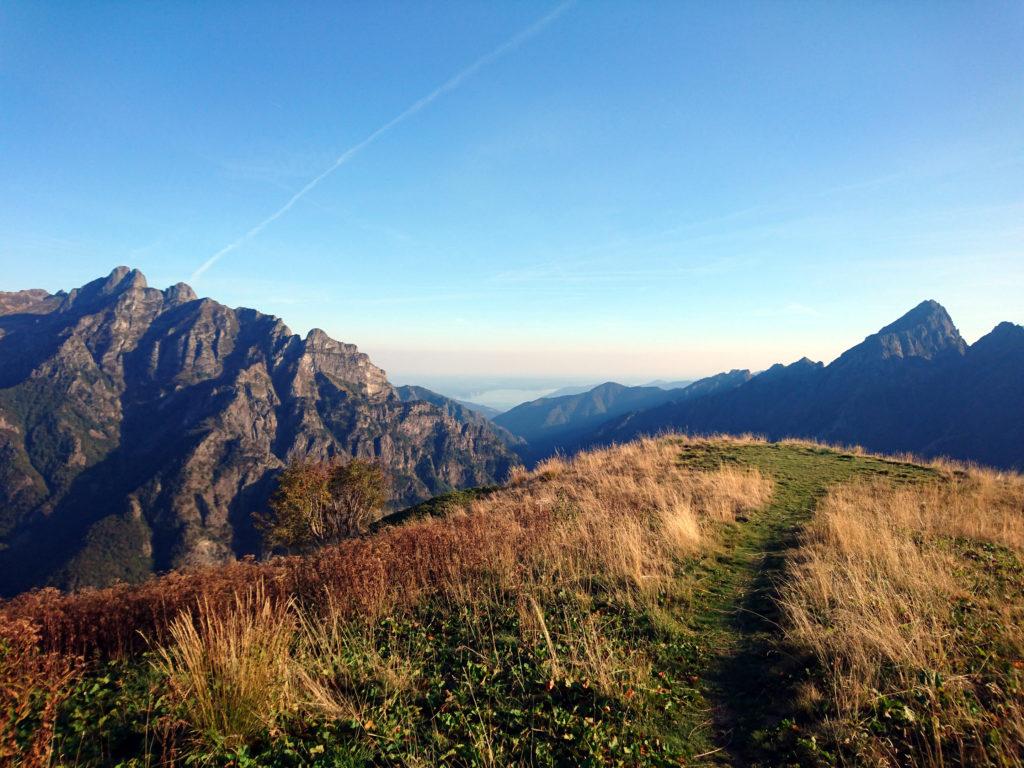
(139, 428)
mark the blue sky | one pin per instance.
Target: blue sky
(628, 189)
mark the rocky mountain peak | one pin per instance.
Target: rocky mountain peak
(179, 293)
(342, 363)
(1006, 339)
(139, 428)
(123, 279)
(1007, 330)
(318, 339)
(928, 313)
(31, 301)
(925, 332)
(801, 367)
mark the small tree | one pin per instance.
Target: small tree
(359, 490)
(319, 503)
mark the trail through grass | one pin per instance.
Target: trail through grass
(601, 659)
(745, 685)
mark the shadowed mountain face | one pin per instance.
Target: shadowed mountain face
(140, 428)
(913, 386)
(560, 423)
(463, 412)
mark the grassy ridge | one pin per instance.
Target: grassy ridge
(749, 675)
(655, 604)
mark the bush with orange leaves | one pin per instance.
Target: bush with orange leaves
(33, 683)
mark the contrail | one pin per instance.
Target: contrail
(449, 85)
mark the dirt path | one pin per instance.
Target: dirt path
(747, 680)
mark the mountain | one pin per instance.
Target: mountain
(461, 411)
(664, 384)
(924, 333)
(483, 410)
(552, 424)
(572, 389)
(717, 383)
(139, 428)
(914, 386)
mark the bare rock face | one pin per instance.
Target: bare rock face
(139, 429)
(33, 301)
(925, 333)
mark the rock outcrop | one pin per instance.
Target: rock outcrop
(140, 428)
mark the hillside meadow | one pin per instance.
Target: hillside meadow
(667, 602)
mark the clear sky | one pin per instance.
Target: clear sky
(597, 189)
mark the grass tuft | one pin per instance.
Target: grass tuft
(231, 671)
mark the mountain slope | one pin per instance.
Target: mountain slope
(140, 428)
(552, 423)
(484, 410)
(663, 384)
(560, 423)
(913, 386)
(461, 411)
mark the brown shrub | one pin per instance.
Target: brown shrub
(318, 503)
(33, 683)
(118, 620)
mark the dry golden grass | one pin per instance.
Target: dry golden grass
(633, 503)
(231, 670)
(614, 519)
(878, 593)
(612, 523)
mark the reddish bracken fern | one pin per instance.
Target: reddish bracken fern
(33, 683)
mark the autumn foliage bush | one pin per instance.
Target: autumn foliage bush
(33, 683)
(318, 503)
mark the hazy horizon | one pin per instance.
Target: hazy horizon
(578, 191)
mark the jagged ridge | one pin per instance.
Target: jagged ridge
(139, 428)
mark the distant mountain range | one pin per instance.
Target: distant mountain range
(914, 386)
(564, 423)
(572, 389)
(580, 389)
(663, 384)
(140, 428)
(484, 410)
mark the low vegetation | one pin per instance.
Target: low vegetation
(318, 503)
(910, 599)
(668, 602)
